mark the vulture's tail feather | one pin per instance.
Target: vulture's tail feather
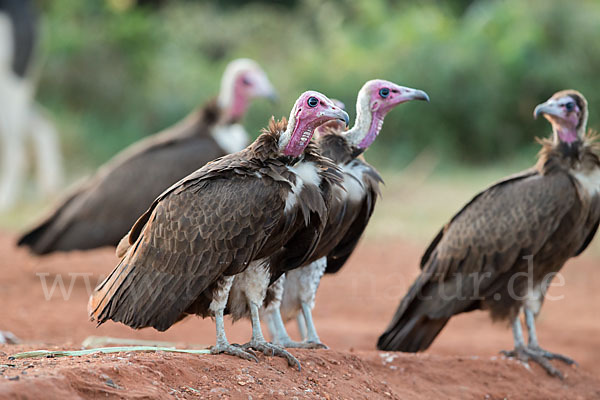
(34, 239)
(414, 326)
(42, 238)
(413, 335)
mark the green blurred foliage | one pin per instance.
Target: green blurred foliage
(113, 75)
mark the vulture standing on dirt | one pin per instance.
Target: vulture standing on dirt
(228, 227)
(349, 212)
(101, 210)
(501, 251)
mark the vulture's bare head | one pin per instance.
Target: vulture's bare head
(242, 81)
(567, 111)
(375, 99)
(311, 110)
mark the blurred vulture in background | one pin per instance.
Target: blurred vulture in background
(21, 119)
(101, 210)
(212, 243)
(501, 251)
(349, 212)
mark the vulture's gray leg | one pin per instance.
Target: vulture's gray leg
(305, 281)
(312, 337)
(217, 306)
(259, 343)
(525, 353)
(281, 337)
(8, 338)
(533, 341)
(276, 326)
(301, 322)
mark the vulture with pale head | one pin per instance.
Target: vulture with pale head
(210, 244)
(502, 250)
(100, 211)
(349, 211)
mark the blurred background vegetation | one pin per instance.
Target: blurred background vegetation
(114, 71)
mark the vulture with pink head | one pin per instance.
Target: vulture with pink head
(100, 211)
(211, 243)
(349, 212)
(501, 251)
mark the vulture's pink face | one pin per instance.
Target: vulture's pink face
(565, 112)
(248, 83)
(381, 97)
(312, 109)
(253, 82)
(385, 95)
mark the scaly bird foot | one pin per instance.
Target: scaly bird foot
(270, 349)
(292, 344)
(540, 356)
(554, 356)
(234, 350)
(8, 338)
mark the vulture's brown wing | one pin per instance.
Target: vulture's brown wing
(102, 209)
(510, 179)
(489, 236)
(197, 231)
(340, 254)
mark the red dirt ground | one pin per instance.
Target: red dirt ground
(352, 310)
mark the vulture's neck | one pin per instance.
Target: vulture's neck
(581, 153)
(366, 127)
(268, 145)
(232, 102)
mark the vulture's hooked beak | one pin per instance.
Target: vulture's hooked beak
(346, 117)
(419, 95)
(549, 108)
(337, 113)
(408, 94)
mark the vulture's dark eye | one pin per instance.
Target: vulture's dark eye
(312, 102)
(246, 81)
(570, 106)
(384, 92)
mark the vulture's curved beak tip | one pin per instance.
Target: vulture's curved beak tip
(421, 95)
(346, 118)
(539, 110)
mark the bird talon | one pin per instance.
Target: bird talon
(539, 356)
(292, 344)
(271, 350)
(234, 350)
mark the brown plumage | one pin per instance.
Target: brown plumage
(347, 220)
(182, 237)
(524, 227)
(228, 226)
(100, 211)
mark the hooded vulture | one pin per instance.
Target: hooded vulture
(348, 214)
(501, 251)
(101, 210)
(228, 227)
